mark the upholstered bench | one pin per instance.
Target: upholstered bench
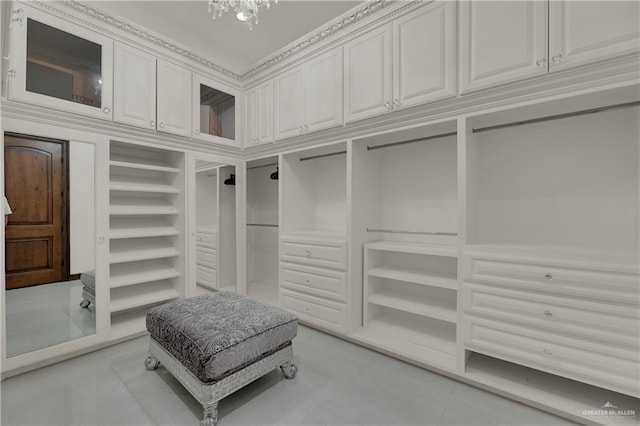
(216, 344)
(88, 280)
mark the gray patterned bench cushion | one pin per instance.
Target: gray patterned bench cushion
(218, 334)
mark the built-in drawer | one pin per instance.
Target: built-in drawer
(316, 311)
(595, 284)
(606, 322)
(317, 281)
(600, 365)
(206, 239)
(206, 276)
(206, 257)
(328, 254)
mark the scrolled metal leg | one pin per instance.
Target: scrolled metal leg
(151, 363)
(289, 370)
(210, 415)
(85, 303)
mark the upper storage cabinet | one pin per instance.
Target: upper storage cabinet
(258, 116)
(60, 65)
(214, 113)
(502, 42)
(402, 64)
(309, 97)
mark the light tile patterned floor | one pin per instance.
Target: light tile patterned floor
(338, 383)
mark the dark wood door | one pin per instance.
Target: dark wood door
(36, 187)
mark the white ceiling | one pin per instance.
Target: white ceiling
(226, 41)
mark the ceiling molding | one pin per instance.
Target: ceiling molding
(333, 27)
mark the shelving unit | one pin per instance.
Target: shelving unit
(145, 231)
(206, 232)
(410, 296)
(262, 229)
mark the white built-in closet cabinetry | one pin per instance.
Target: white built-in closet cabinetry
(259, 114)
(206, 229)
(146, 233)
(508, 41)
(407, 62)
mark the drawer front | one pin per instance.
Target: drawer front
(316, 311)
(316, 253)
(207, 258)
(576, 359)
(206, 276)
(208, 240)
(605, 322)
(320, 282)
(600, 285)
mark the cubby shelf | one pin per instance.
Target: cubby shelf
(431, 308)
(143, 254)
(132, 210)
(140, 232)
(129, 323)
(402, 247)
(147, 165)
(142, 276)
(127, 298)
(400, 274)
(129, 186)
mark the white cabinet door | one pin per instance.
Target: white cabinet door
(250, 118)
(501, 42)
(367, 77)
(586, 31)
(288, 91)
(264, 113)
(424, 55)
(323, 91)
(134, 100)
(174, 99)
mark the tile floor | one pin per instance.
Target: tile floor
(34, 322)
(338, 383)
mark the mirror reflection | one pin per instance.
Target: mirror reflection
(49, 242)
(215, 227)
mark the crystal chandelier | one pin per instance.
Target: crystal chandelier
(246, 10)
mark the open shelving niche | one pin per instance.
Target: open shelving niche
(405, 225)
(556, 182)
(206, 227)
(146, 220)
(262, 229)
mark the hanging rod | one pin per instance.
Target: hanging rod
(558, 116)
(212, 175)
(399, 231)
(264, 165)
(262, 224)
(323, 155)
(443, 135)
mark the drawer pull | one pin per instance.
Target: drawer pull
(308, 309)
(308, 282)
(548, 314)
(308, 253)
(547, 352)
(548, 276)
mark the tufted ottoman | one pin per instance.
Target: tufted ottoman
(218, 343)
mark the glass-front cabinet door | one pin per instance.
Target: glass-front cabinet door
(60, 65)
(214, 115)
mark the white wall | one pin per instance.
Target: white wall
(82, 207)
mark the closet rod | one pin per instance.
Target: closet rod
(443, 135)
(558, 116)
(262, 224)
(323, 155)
(264, 165)
(399, 231)
(213, 175)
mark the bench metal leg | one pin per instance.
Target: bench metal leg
(210, 415)
(151, 363)
(289, 370)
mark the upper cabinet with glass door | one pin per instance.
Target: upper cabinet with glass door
(214, 114)
(60, 65)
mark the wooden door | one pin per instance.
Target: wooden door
(36, 186)
(586, 31)
(501, 41)
(367, 80)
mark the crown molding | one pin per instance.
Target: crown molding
(340, 24)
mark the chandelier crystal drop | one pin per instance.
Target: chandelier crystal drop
(246, 10)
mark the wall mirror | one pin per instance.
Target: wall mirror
(49, 242)
(214, 226)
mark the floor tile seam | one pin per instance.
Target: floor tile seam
(446, 404)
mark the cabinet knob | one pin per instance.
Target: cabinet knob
(308, 253)
(257, 140)
(306, 128)
(548, 276)
(101, 240)
(541, 62)
(396, 102)
(556, 58)
(548, 314)
(197, 131)
(152, 123)
(308, 309)
(300, 129)
(308, 282)
(387, 105)
(161, 125)
(106, 110)
(547, 352)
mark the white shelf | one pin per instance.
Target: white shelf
(139, 185)
(140, 251)
(402, 247)
(400, 274)
(140, 232)
(316, 235)
(431, 308)
(125, 162)
(434, 349)
(136, 274)
(126, 324)
(132, 297)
